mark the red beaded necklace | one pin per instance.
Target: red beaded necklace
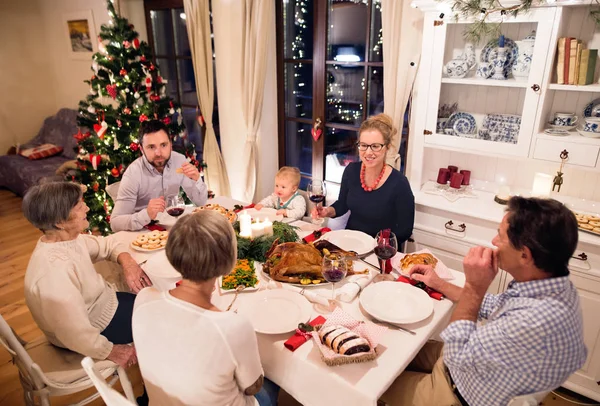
(362, 179)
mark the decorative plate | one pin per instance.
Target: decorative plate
(557, 132)
(490, 52)
(588, 134)
(592, 109)
(464, 126)
(562, 127)
(462, 115)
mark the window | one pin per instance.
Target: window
(168, 38)
(330, 69)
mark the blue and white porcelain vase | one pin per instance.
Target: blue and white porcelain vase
(521, 68)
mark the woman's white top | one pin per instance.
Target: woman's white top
(192, 356)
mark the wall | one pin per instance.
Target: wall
(227, 27)
(516, 173)
(26, 82)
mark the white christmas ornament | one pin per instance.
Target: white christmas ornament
(95, 67)
(116, 144)
(136, 95)
(171, 111)
(91, 109)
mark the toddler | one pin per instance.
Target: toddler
(286, 199)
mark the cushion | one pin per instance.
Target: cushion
(43, 151)
(61, 365)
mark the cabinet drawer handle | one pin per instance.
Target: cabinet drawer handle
(535, 87)
(583, 258)
(461, 228)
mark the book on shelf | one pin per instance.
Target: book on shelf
(587, 66)
(567, 59)
(572, 60)
(560, 61)
(577, 63)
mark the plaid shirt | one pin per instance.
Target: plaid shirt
(531, 340)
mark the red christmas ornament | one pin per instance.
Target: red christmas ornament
(126, 44)
(81, 136)
(127, 110)
(159, 79)
(136, 43)
(95, 160)
(171, 104)
(100, 129)
(93, 77)
(143, 118)
(143, 58)
(121, 169)
(167, 120)
(112, 90)
(95, 186)
(152, 67)
(114, 172)
(108, 218)
(122, 72)
(154, 97)
(134, 146)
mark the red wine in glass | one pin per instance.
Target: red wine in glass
(333, 274)
(317, 199)
(385, 252)
(333, 270)
(175, 211)
(387, 247)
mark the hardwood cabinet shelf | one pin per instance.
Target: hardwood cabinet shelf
(486, 82)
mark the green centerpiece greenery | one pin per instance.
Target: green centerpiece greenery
(256, 248)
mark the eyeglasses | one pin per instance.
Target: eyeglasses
(375, 147)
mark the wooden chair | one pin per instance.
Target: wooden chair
(46, 370)
(110, 396)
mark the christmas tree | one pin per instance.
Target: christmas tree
(125, 89)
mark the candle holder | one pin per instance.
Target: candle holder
(500, 62)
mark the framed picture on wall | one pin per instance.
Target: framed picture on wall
(81, 34)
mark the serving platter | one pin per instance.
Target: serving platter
(257, 272)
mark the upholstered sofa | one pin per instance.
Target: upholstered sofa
(18, 173)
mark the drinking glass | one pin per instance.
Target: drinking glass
(317, 191)
(334, 270)
(175, 205)
(387, 247)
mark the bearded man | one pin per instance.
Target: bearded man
(158, 173)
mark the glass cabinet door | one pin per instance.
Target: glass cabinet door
(484, 97)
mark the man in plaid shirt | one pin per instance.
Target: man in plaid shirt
(531, 336)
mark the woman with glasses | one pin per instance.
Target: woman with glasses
(377, 195)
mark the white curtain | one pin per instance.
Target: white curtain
(198, 28)
(402, 33)
(258, 16)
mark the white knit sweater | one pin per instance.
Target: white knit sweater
(70, 302)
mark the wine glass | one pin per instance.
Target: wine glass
(387, 247)
(175, 205)
(334, 270)
(316, 193)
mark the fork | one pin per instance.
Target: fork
(238, 289)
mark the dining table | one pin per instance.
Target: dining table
(302, 373)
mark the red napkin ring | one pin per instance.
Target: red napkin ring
(155, 227)
(250, 206)
(300, 337)
(315, 235)
(434, 294)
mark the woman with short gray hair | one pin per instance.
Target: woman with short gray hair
(212, 355)
(70, 302)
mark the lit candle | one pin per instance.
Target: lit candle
(542, 184)
(258, 229)
(245, 225)
(268, 227)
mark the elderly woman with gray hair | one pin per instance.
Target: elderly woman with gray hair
(70, 302)
(212, 356)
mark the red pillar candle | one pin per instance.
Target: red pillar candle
(466, 177)
(443, 176)
(456, 180)
(452, 169)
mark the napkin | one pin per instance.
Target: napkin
(154, 227)
(251, 205)
(315, 235)
(299, 337)
(310, 296)
(354, 284)
(434, 294)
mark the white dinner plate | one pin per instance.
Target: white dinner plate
(276, 311)
(396, 302)
(137, 248)
(257, 269)
(264, 214)
(351, 240)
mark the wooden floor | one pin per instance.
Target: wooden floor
(17, 241)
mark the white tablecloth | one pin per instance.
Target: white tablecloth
(302, 373)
